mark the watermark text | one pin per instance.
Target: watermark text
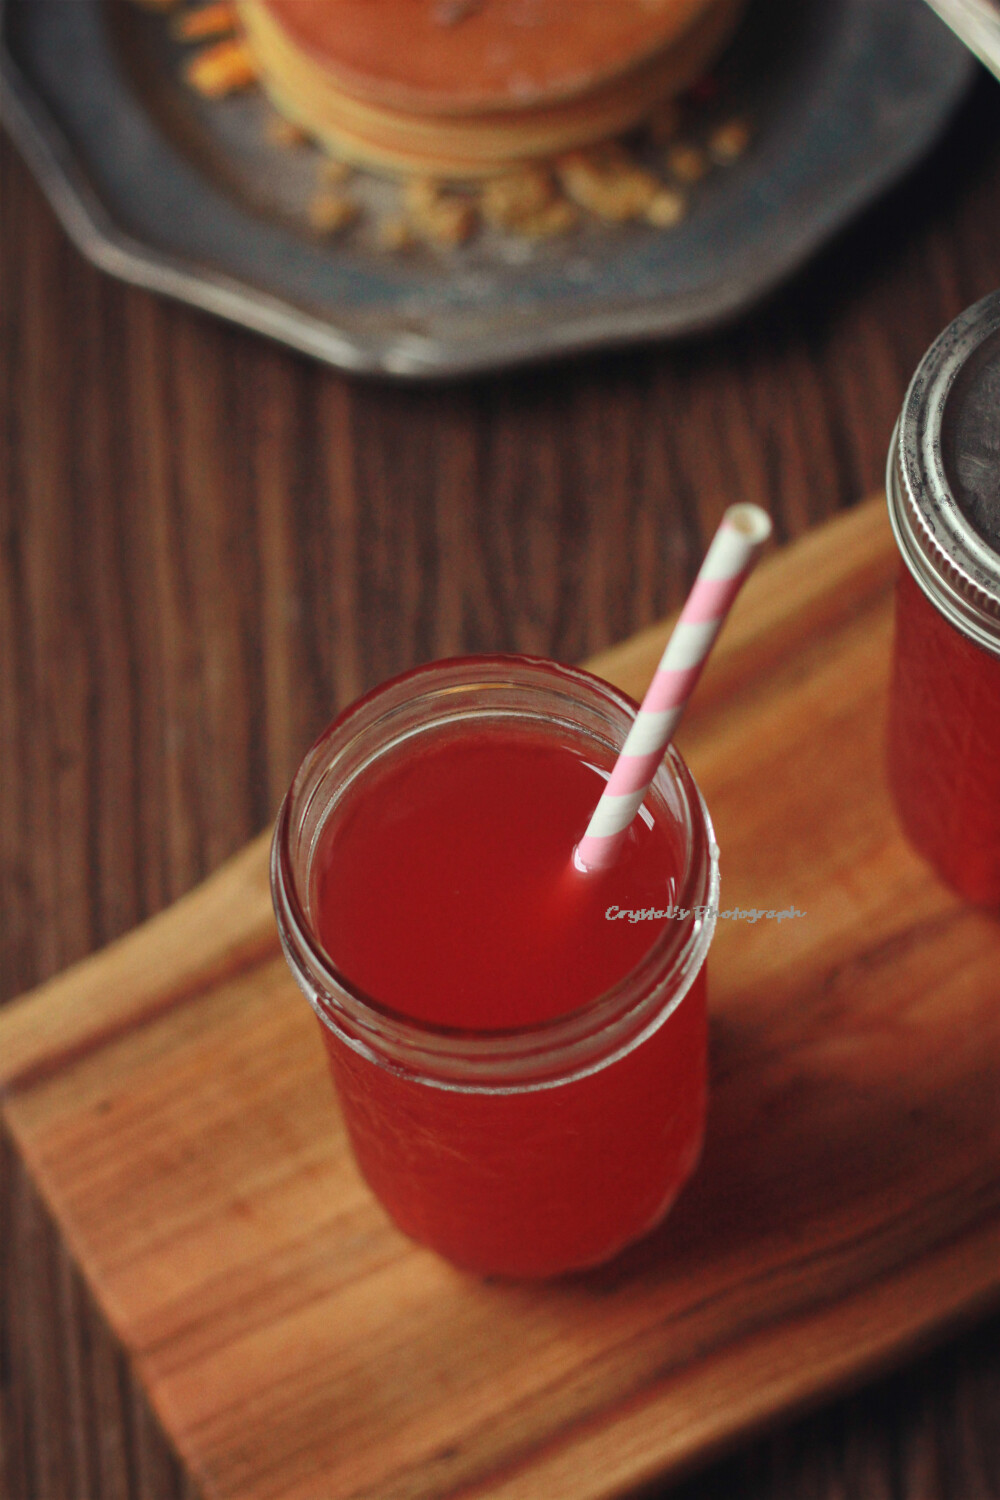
(749, 914)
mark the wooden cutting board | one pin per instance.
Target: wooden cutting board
(171, 1100)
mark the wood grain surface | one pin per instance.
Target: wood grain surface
(207, 543)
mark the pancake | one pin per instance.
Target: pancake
(468, 88)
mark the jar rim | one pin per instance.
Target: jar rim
(952, 562)
(406, 1044)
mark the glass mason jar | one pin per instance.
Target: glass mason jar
(943, 485)
(530, 1151)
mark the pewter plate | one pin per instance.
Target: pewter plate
(190, 198)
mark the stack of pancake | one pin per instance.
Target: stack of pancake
(467, 89)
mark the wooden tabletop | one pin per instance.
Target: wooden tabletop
(208, 544)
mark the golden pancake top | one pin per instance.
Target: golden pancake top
(441, 56)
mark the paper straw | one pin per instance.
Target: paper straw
(742, 533)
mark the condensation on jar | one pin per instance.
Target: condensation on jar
(943, 484)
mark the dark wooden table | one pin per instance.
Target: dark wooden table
(208, 543)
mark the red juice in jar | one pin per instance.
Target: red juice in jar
(519, 1048)
(943, 485)
(444, 887)
(944, 733)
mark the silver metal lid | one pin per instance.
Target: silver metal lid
(943, 478)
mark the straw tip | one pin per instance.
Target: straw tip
(752, 523)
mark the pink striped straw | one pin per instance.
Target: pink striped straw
(742, 533)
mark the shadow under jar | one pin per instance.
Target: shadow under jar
(943, 485)
(551, 1140)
